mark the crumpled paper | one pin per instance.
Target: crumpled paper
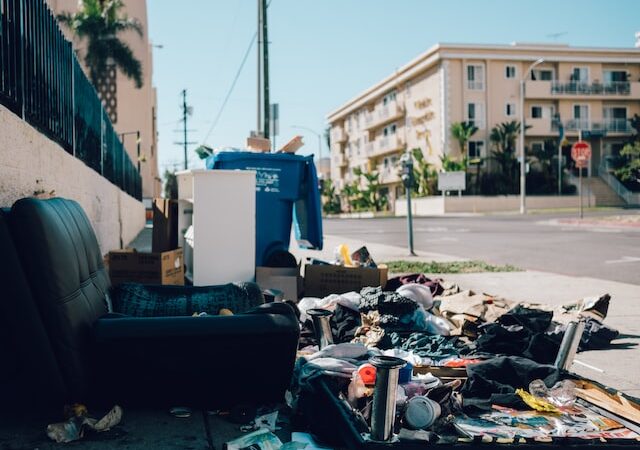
(73, 429)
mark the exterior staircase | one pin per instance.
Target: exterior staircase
(604, 194)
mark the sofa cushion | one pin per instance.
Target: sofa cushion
(30, 372)
(64, 268)
(139, 300)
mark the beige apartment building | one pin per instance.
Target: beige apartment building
(591, 89)
(130, 109)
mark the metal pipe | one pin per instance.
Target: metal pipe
(322, 326)
(569, 345)
(383, 413)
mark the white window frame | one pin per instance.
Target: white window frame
(478, 121)
(475, 85)
(609, 71)
(476, 142)
(573, 69)
(551, 108)
(573, 111)
(507, 106)
(538, 71)
(506, 72)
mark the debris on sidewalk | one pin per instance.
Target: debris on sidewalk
(78, 421)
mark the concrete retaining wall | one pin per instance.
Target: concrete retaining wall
(30, 163)
(435, 205)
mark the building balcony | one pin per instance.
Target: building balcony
(384, 145)
(383, 114)
(609, 126)
(541, 126)
(388, 174)
(340, 160)
(573, 89)
(338, 134)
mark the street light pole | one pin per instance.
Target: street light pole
(523, 163)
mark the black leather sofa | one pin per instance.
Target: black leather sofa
(62, 344)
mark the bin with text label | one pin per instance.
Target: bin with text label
(286, 192)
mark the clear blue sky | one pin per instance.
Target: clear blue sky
(324, 52)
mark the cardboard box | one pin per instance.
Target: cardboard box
(165, 225)
(146, 268)
(258, 144)
(323, 280)
(287, 280)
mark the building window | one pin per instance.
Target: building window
(539, 111)
(475, 149)
(389, 130)
(391, 96)
(580, 74)
(510, 109)
(510, 71)
(536, 112)
(542, 75)
(475, 114)
(612, 76)
(475, 77)
(580, 111)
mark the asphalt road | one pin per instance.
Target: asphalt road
(531, 242)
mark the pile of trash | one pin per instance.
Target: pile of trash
(447, 363)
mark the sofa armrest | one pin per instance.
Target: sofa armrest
(210, 361)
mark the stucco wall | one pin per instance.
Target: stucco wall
(31, 163)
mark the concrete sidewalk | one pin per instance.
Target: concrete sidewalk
(617, 366)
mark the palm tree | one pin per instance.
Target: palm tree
(100, 22)
(462, 132)
(503, 138)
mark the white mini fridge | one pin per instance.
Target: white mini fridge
(217, 225)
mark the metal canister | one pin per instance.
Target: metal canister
(321, 326)
(421, 412)
(383, 413)
(569, 345)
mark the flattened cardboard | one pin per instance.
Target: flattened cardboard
(323, 280)
(165, 225)
(147, 268)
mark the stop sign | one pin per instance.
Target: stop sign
(581, 152)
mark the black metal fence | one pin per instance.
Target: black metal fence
(41, 81)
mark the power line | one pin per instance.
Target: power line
(233, 85)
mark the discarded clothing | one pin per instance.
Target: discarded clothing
(369, 333)
(427, 346)
(495, 381)
(349, 300)
(596, 335)
(467, 310)
(415, 278)
(534, 320)
(344, 324)
(392, 303)
(140, 300)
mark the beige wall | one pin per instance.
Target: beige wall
(135, 106)
(31, 163)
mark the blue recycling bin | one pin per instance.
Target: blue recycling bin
(286, 191)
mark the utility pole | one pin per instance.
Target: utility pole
(259, 70)
(186, 112)
(265, 68)
(184, 126)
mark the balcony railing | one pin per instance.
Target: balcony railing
(340, 160)
(388, 174)
(386, 144)
(585, 88)
(383, 114)
(610, 125)
(42, 82)
(338, 134)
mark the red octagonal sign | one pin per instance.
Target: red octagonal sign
(581, 151)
